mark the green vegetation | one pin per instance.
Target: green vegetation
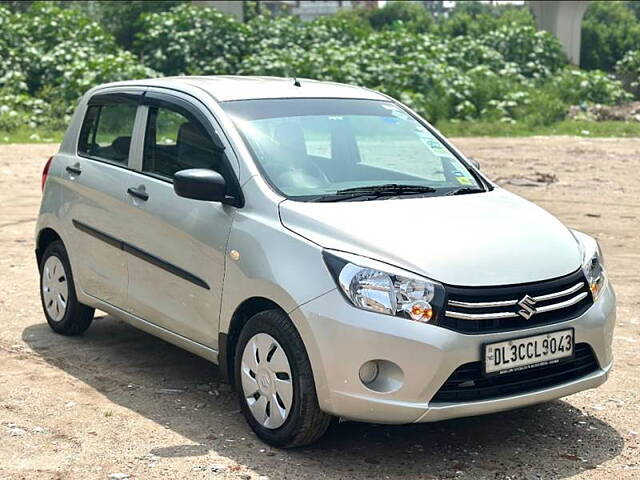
(482, 68)
(453, 129)
(628, 69)
(26, 134)
(609, 31)
(565, 127)
(50, 57)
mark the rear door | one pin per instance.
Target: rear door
(176, 265)
(94, 195)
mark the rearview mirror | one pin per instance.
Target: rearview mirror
(474, 162)
(200, 184)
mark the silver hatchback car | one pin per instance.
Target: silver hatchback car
(325, 246)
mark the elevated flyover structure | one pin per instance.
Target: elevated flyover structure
(563, 19)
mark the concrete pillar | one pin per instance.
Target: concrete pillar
(563, 19)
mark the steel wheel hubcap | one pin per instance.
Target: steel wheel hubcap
(266, 380)
(55, 288)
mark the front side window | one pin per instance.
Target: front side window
(106, 132)
(175, 141)
(315, 149)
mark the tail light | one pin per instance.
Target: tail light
(45, 172)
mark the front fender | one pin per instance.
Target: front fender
(281, 266)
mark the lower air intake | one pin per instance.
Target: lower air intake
(467, 383)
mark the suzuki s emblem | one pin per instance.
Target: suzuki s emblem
(528, 307)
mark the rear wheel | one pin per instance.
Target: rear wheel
(64, 313)
(275, 384)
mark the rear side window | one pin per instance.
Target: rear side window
(175, 141)
(106, 132)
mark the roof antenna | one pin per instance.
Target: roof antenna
(296, 83)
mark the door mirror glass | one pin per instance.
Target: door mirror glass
(200, 184)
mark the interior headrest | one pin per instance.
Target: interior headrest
(291, 137)
(121, 145)
(191, 134)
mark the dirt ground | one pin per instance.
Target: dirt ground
(119, 401)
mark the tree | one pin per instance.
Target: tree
(16, 5)
(634, 6)
(609, 30)
(474, 18)
(122, 19)
(411, 14)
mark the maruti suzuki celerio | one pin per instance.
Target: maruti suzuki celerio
(325, 246)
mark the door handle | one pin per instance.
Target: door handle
(138, 193)
(74, 169)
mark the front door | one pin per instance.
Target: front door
(177, 245)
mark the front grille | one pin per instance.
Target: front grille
(468, 384)
(477, 310)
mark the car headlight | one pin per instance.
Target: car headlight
(382, 288)
(592, 263)
(593, 268)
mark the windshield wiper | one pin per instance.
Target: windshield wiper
(375, 191)
(465, 190)
(392, 188)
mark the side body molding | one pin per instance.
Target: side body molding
(137, 252)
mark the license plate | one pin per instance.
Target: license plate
(528, 352)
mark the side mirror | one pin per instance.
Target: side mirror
(474, 162)
(200, 184)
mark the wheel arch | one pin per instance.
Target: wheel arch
(46, 237)
(227, 340)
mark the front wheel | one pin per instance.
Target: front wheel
(275, 383)
(64, 313)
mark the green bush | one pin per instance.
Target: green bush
(19, 109)
(52, 36)
(53, 55)
(122, 19)
(541, 107)
(634, 6)
(628, 68)
(441, 78)
(630, 63)
(192, 40)
(538, 53)
(15, 54)
(609, 30)
(75, 57)
(483, 63)
(410, 15)
(467, 21)
(576, 87)
(87, 69)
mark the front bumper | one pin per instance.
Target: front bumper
(340, 338)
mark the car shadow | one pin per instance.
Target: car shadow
(180, 391)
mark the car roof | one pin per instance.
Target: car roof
(225, 88)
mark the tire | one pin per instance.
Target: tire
(64, 313)
(272, 332)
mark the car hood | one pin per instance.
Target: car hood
(492, 238)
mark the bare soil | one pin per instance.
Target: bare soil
(120, 401)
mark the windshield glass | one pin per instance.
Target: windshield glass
(313, 148)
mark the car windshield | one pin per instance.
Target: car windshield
(324, 149)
